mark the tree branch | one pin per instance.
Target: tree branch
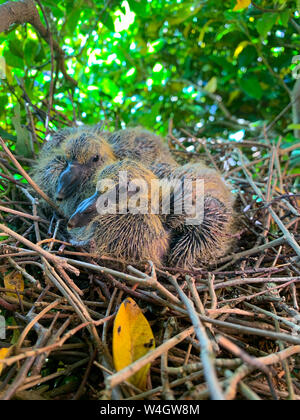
(24, 11)
(17, 12)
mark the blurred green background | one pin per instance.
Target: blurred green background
(221, 69)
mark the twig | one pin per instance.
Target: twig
(207, 355)
(27, 177)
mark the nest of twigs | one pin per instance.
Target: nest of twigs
(227, 331)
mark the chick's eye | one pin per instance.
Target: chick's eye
(96, 158)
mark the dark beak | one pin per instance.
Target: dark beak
(69, 181)
(85, 213)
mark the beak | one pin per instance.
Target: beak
(85, 213)
(69, 181)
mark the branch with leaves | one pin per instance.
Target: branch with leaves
(25, 12)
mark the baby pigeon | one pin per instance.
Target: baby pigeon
(67, 165)
(204, 230)
(140, 145)
(118, 216)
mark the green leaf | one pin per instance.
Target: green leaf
(73, 19)
(13, 60)
(251, 86)
(31, 49)
(247, 57)
(285, 17)
(3, 102)
(15, 47)
(52, 3)
(109, 87)
(23, 145)
(149, 119)
(139, 7)
(6, 136)
(295, 162)
(266, 23)
(184, 12)
(293, 127)
(107, 20)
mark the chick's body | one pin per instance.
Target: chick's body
(130, 233)
(140, 145)
(199, 239)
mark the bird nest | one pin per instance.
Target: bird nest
(227, 331)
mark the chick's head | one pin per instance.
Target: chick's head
(84, 154)
(122, 187)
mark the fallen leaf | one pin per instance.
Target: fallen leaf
(14, 281)
(132, 339)
(4, 352)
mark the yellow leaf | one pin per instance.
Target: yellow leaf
(212, 85)
(132, 339)
(9, 75)
(4, 352)
(13, 281)
(240, 48)
(242, 4)
(233, 96)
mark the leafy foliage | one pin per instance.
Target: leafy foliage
(139, 62)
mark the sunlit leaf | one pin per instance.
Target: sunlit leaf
(109, 87)
(240, 48)
(73, 18)
(132, 339)
(107, 20)
(293, 127)
(212, 85)
(31, 49)
(139, 7)
(241, 4)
